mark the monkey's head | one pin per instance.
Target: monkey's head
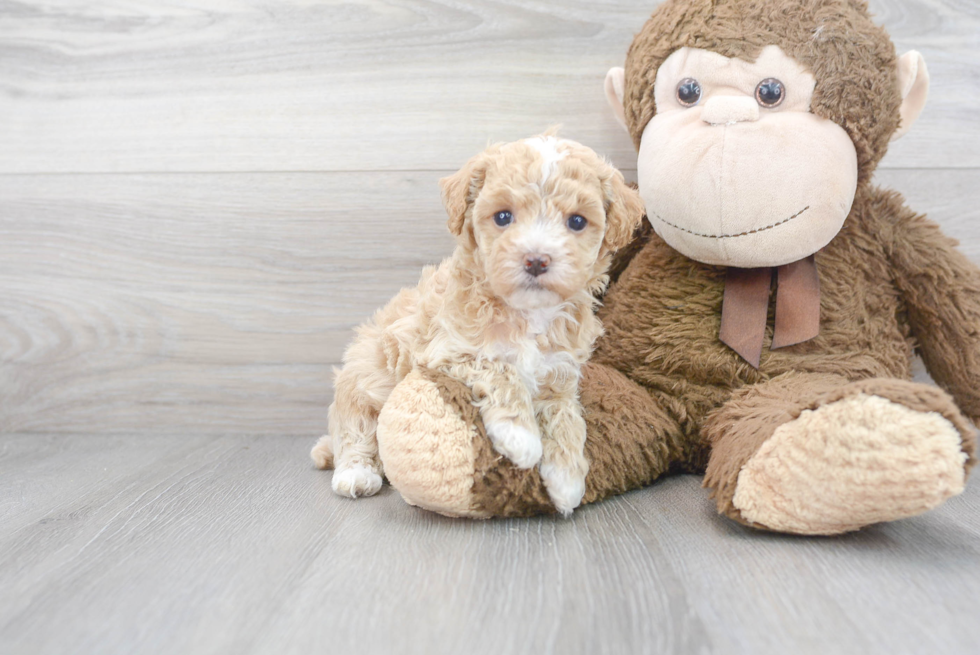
(757, 120)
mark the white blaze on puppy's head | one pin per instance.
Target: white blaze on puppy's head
(540, 218)
(547, 147)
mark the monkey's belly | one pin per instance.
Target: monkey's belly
(663, 315)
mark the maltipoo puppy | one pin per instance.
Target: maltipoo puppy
(511, 313)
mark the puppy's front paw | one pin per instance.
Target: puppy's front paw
(516, 443)
(565, 487)
(355, 480)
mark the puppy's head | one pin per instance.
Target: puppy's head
(541, 218)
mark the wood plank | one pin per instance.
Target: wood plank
(186, 301)
(219, 303)
(110, 86)
(34, 472)
(236, 545)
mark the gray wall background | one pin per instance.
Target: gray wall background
(199, 200)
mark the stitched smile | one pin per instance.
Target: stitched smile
(730, 236)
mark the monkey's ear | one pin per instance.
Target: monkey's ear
(624, 211)
(460, 189)
(615, 88)
(913, 80)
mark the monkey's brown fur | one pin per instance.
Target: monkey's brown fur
(662, 393)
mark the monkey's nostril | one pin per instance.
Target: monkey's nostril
(536, 264)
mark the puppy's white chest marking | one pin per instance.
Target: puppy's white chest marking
(526, 355)
(530, 363)
(539, 320)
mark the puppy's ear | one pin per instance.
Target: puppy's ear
(459, 191)
(624, 210)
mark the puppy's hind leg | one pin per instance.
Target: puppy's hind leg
(361, 389)
(374, 361)
(354, 428)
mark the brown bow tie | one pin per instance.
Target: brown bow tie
(745, 307)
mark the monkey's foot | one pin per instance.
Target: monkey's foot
(860, 460)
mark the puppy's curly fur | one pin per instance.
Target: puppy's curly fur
(511, 313)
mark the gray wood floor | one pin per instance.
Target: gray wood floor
(190, 544)
(199, 200)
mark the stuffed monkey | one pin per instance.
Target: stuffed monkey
(762, 331)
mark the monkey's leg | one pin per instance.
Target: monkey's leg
(436, 453)
(814, 454)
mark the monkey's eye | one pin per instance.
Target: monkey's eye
(576, 223)
(688, 92)
(503, 219)
(770, 92)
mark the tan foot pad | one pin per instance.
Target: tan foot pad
(427, 449)
(851, 463)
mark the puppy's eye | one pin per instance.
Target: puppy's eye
(503, 219)
(688, 92)
(576, 223)
(770, 92)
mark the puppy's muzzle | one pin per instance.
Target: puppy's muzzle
(536, 264)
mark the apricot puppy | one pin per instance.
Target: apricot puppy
(510, 313)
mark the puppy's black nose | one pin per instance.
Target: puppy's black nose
(536, 264)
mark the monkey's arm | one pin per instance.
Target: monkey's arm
(941, 289)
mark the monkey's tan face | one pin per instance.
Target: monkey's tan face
(734, 169)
